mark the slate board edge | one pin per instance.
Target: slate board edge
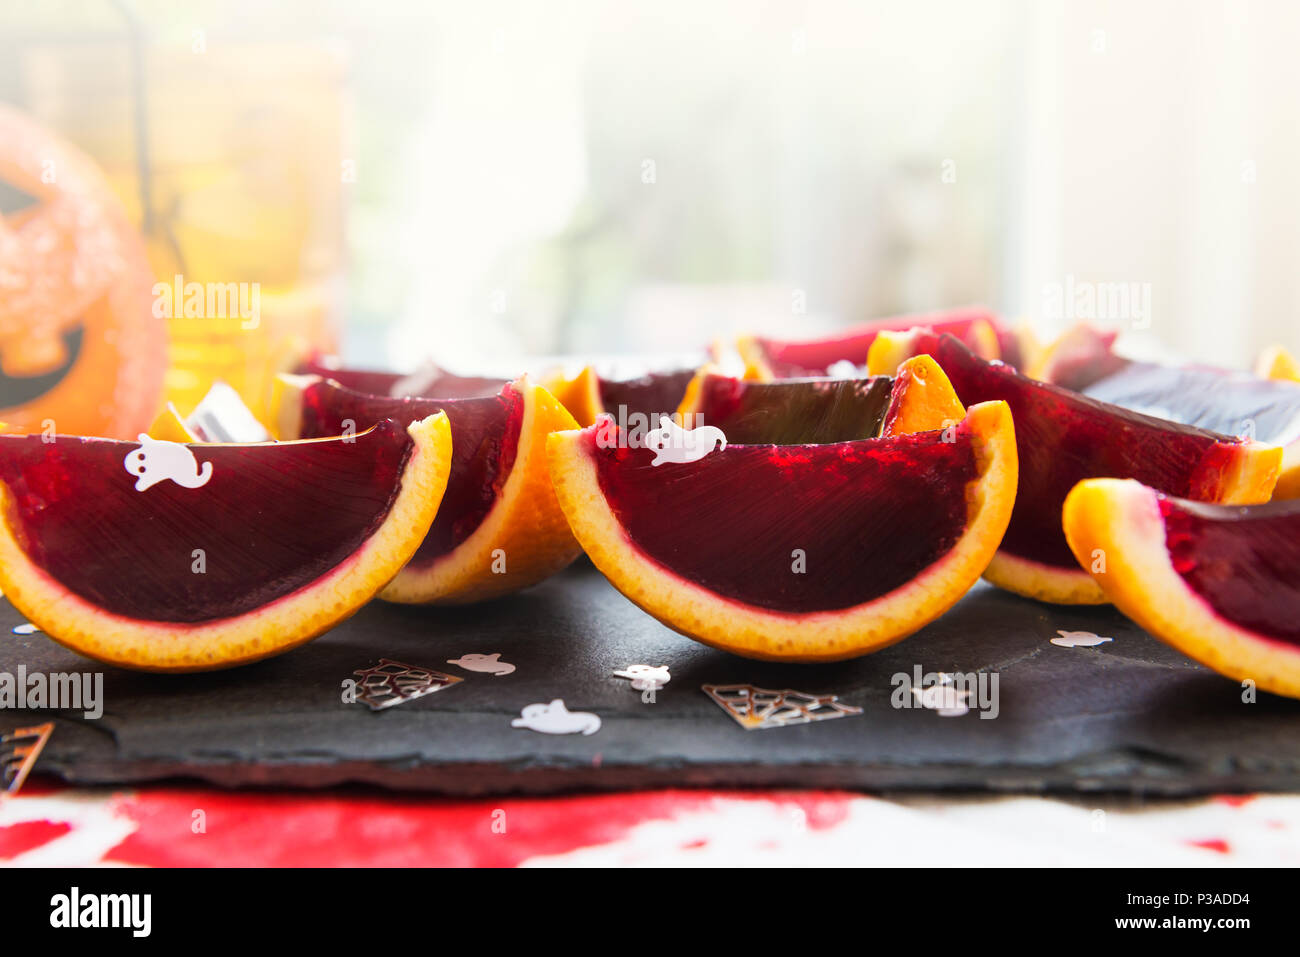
(489, 779)
(586, 626)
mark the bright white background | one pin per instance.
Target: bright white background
(799, 151)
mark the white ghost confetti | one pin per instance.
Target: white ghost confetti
(157, 460)
(944, 698)
(672, 443)
(646, 677)
(26, 628)
(1079, 639)
(555, 718)
(484, 664)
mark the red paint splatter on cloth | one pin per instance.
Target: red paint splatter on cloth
(24, 836)
(257, 829)
(1235, 800)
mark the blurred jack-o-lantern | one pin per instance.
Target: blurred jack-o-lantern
(80, 349)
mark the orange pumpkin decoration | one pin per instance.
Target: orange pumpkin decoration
(79, 344)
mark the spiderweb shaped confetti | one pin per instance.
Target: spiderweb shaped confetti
(757, 708)
(393, 682)
(19, 751)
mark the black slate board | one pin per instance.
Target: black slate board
(1132, 715)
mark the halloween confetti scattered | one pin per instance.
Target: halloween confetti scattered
(555, 718)
(756, 708)
(1078, 639)
(672, 443)
(19, 751)
(485, 664)
(159, 461)
(392, 682)
(944, 698)
(646, 677)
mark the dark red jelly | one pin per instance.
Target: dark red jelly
(1243, 561)
(267, 520)
(653, 395)
(484, 442)
(867, 516)
(430, 381)
(1063, 437)
(1233, 403)
(815, 356)
(793, 411)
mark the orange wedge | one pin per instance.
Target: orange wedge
(166, 557)
(797, 553)
(500, 528)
